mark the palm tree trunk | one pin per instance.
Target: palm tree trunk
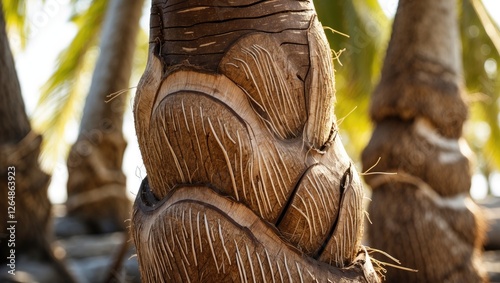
(19, 149)
(247, 177)
(25, 207)
(96, 183)
(423, 215)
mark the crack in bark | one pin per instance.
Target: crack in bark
(344, 183)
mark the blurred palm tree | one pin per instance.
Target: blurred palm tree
(28, 183)
(358, 65)
(362, 53)
(62, 97)
(95, 160)
(96, 186)
(419, 111)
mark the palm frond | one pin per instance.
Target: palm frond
(15, 18)
(60, 99)
(489, 26)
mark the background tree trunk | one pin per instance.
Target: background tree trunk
(19, 147)
(247, 178)
(96, 183)
(24, 185)
(423, 215)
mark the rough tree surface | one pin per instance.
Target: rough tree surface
(423, 215)
(247, 177)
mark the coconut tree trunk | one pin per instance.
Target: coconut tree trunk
(423, 215)
(19, 149)
(96, 182)
(247, 176)
(25, 207)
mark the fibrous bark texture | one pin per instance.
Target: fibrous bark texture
(423, 215)
(247, 178)
(96, 183)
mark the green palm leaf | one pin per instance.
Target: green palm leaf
(15, 18)
(62, 95)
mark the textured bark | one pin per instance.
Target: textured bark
(422, 69)
(96, 182)
(247, 178)
(19, 147)
(423, 215)
(19, 152)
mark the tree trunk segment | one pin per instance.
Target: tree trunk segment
(96, 183)
(14, 124)
(247, 178)
(423, 216)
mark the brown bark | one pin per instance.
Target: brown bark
(96, 183)
(19, 149)
(247, 179)
(423, 215)
(15, 124)
(25, 207)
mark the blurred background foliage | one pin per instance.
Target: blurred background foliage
(358, 63)
(481, 55)
(362, 56)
